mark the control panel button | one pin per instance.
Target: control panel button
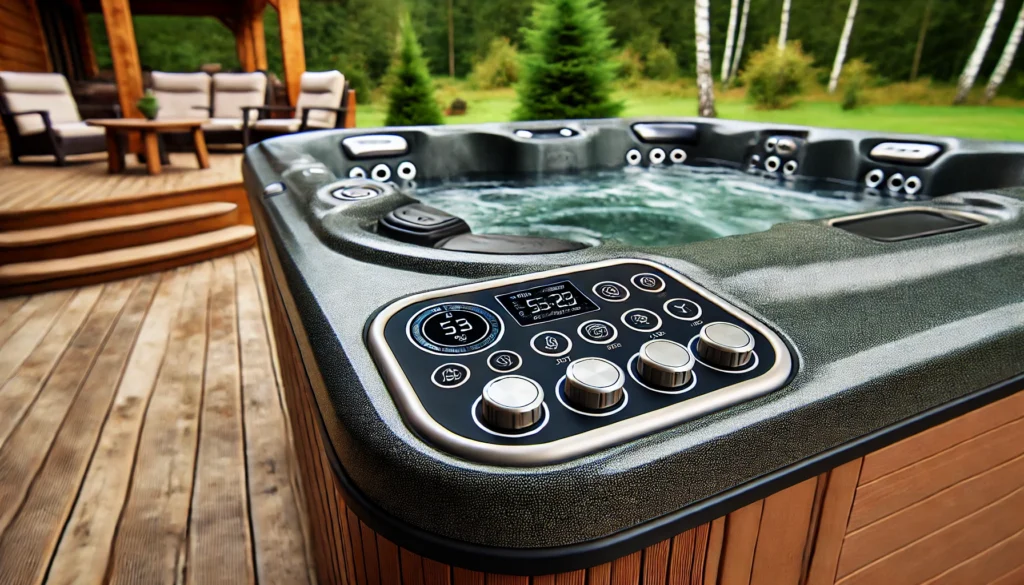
(450, 376)
(725, 345)
(511, 403)
(597, 331)
(683, 309)
(648, 282)
(455, 328)
(665, 364)
(611, 291)
(504, 361)
(551, 343)
(594, 383)
(642, 320)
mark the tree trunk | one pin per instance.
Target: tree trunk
(451, 39)
(739, 41)
(963, 87)
(730, 34)
(784, 24)
(925, 22)
(844, 42)
(1006, 59)
(705, 80)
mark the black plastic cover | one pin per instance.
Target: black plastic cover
(667, 133)
(421, 224)
(501, 244)
(906, 225)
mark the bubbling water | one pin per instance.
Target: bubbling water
(643, 207)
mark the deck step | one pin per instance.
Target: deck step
(16, 278)
(98, 235)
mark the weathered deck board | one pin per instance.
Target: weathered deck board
(150, 442)
(37, 186)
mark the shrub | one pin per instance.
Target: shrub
(499, 68)
(661, 63)
(630, 67)
(773, 77)
(855, 78)
(567, 66)
(411, 92)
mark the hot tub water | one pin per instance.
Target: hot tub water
(644, 207)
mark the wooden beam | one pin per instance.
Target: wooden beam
(124, 53)
(259, 38)
(90, 68)
(43, 49)
(293, 54)
(250, 41)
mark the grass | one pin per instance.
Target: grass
(1003, 121)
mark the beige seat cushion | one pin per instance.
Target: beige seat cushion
(179, 94)
(77, 129)
(284, 125)
(232, 91)
(25, 92)
(323, 88)
(222, 124)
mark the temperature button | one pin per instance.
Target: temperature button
(504, 361)
(642, 320)
(455, 328)
(551, 343)
(598, 331)
(450, 376)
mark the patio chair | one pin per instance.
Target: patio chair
(41, 117)
(322, 104)
(181, 95)
(232, 94)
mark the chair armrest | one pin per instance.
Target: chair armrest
(207, 109)
(269, 108)
(44, 114)
(339, 120)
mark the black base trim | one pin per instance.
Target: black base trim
(543, 561)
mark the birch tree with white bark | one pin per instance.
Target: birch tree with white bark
(705, 78)
(784, 24)
(1006, 59)
(970, 74)
(844, 42)
(739, 41)
(730, 33)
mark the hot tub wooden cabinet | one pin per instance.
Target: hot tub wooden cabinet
(876, 437)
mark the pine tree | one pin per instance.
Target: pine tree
(411, 95)
(567, 64)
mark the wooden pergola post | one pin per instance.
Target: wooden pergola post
(89, 66)
(250, 40)
(124, 53)
(293, 54)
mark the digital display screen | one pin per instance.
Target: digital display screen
(546, 303)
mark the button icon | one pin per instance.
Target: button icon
(454, 328)
(450, 375)
(504, 361)
(648, 282)
(551, 343)
(641, 320)
(611, 291)
(597, 331)
(682, 309)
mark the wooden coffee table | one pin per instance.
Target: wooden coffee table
(149, 130)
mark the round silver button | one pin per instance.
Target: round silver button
(665, 364)
(511, 403)
(594, 383)
(725, 345)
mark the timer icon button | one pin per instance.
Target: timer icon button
(504, 361)
(597, 331)
(611, 291)
(551, 343)
(641, 320)
(648, 282)
(450, 376)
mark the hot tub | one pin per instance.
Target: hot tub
(681, 351)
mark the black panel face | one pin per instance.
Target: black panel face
(450, 346)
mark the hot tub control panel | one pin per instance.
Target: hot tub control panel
(557, 364)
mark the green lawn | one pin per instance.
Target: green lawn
(992, 122)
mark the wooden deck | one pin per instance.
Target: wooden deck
(143, 434)
(85, 181)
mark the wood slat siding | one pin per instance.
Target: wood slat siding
(22, 45)
(147, 441)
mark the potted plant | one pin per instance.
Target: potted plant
(148, 105)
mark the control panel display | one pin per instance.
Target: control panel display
(541, 304)
(589, 354)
